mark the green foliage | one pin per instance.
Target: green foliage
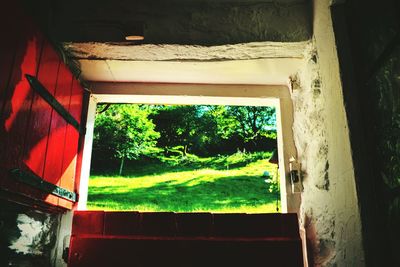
(178, 126)
(249, 123)
(124, 131)
(272, 181)
(178, 133)
(210, 130)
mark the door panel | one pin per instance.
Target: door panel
(37, 142)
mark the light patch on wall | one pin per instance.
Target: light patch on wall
(33, 235)
(272, 71)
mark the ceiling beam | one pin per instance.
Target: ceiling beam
(246, 51)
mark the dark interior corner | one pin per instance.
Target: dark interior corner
(367, 36)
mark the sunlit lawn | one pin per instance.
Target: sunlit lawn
(193, 188)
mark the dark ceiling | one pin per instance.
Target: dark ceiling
(175, 22)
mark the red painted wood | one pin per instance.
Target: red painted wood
(8, 51)
(157, 243)
(7, 55)
(249, 225)
(36, 141)
(121, 223)
(12, 18)
(289, 224)
(58, 129)
(158, 224)
(71, 140)
(123, 252)
(88, 222)
(197, 224)
(168, 251)
(194, 224)
(33, 136)
(15, 117)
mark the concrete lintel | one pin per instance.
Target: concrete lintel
(151, 52)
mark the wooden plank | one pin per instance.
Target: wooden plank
(13, 47)
(26, 119)
(35, 148)
(7, 54)
(42, 185)
(71, 140)
(8, 49)
(256, 225)
(88, 222)
(121, 223)
(158, 224)
(98, 251)
(49, 98)
(10, 23)
(111, 239)
(18, 103)
(261, 225)
(58, 129)
(142, 251)
(194, 224)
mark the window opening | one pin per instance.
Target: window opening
(184, 158)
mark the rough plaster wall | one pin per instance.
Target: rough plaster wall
(27, 237)
(309, 127)
(150, 52)
(186, 22)
(329, 211)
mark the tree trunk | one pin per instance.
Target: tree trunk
(121, 166)
(185, 150)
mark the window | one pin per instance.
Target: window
(184, 158)
(174, 94)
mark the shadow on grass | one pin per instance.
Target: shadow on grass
(191, 163)
(222, 193)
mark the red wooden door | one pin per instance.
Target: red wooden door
(35, 138)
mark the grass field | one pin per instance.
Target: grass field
(221, 184)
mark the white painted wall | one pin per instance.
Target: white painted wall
(63, 239)
(87, 154)
(329, 212)
(261, 71)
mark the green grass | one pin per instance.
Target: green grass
(221, 184)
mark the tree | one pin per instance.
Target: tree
(252, 122)
(177, 125)
(124, 132)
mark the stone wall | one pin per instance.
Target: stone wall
(27, 237)
(200, 22)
